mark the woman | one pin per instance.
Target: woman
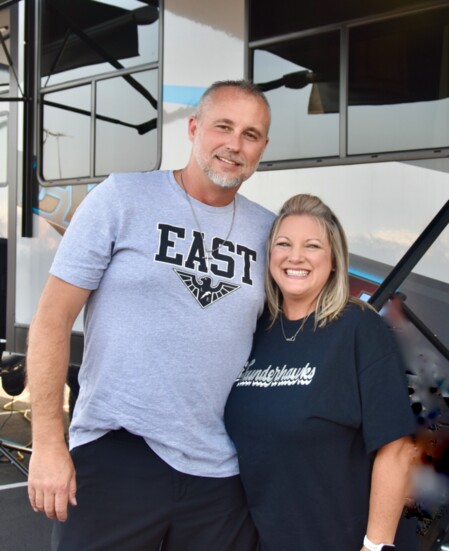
(320, 415)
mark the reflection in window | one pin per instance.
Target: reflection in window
(388, 71)
(135, 121)
(5, 51)
(94, 122)
(66, 133)
(3, 147)
(399, 84)
(84, 38)
(268, 19)
(301, 82)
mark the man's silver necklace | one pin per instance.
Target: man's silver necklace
(209, 252)
(293, 337)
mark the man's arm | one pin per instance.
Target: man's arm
(390, 483)
(51, 482)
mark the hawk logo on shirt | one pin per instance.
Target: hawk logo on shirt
(202, 290)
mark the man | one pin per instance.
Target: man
(170, 268)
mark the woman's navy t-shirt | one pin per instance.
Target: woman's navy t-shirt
(306, 417)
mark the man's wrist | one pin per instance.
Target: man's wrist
(378, 546)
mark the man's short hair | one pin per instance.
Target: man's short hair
(244, 86)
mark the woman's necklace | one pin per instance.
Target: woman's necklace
(293, 337)
(209, 252)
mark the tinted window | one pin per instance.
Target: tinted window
(3, 146)
(8, 89)
(345, 82)
(399, 84)
(99, 88)
(268, 19)
(66, 133)
(301, 81)
(83, 38)
(136, 122)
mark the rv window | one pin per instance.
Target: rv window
(5, 49)
(297, 75)
(10, 90)
(139, 131)
(3, 147)
(87, 38)
(66, 133)
(99, 88)
(268, 19)
(399, 84)
(352, 80)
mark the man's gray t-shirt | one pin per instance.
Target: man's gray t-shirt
(166, 335)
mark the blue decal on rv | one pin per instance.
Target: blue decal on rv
(184, 95)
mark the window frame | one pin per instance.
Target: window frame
(343, 27)
(92, 81)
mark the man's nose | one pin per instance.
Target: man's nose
(234, 141)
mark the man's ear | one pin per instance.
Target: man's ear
(192, 126)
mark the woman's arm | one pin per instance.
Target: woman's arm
(390, 483)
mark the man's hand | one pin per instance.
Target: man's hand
(51, 481)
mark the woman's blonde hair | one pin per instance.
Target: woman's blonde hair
(335, 294)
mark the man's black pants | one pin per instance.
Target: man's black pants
(131, 500)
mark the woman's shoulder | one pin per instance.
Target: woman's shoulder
(359, 312)
(369, 326)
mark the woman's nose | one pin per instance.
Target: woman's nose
(296, 255)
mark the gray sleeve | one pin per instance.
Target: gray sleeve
(87, 245)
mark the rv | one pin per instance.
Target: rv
(359, 93)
